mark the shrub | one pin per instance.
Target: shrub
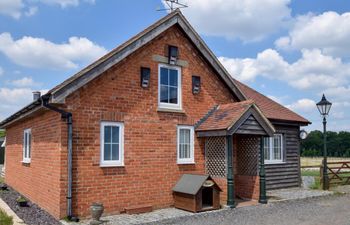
(5, 219)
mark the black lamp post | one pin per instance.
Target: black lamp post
(324, 106)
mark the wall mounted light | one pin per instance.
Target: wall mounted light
(173, 54)
(145, 77)
(196, 84)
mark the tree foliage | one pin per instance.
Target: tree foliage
(338, 144)
(2, 133)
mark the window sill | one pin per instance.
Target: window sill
(274, 163)
(161, 109)
(25, 161)
(111, 165)
(185, 163)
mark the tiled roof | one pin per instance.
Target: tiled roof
(225, 116)
(270, 108)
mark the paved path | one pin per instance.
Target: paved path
(332, 210)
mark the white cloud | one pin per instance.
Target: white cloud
(244, 19)
(303, 105)
(66, 3)
(40, 53)
(304, 74)
(24, 82)
(13, 99)
(340, 93)
(11, 8)
(329, 32)
(31, 11)
(17, 8)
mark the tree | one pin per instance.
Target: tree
(2, 133)
(338, 144)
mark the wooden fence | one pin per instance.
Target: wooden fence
(338, 172)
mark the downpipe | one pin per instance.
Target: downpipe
(68, 117)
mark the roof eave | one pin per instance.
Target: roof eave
(290, 122)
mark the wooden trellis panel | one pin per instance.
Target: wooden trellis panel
(215, 156)
(248, 155)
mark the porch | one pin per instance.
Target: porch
(234, 155)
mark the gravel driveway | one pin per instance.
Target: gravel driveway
(313, 211)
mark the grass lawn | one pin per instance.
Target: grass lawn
(5, 219)
(317, 161)
(312, 173)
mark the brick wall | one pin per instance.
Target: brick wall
(150, 169)
(42, 181)
(247, 187)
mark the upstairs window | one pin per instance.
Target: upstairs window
(273, 149)
(27, 145)
(112, 135)
(185, 144)
(169, 87)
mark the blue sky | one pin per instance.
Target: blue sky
(291, 51)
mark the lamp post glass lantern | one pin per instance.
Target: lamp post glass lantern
(323, 107)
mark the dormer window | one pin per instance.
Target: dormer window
(169, 90)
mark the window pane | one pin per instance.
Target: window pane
(164, 75)
(115, 134)
(107, 131)
(277, 147)
(29, 144)
(185, 144)
(185, 151)
(182, 137)
(267, 148)
(25, 145)
(186, 136)
(188, 153)
(164, 97)
(181, 149)
(107, 152)
(173, 95)
(173, 78)
(115, 152)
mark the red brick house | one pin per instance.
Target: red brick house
(123, 130)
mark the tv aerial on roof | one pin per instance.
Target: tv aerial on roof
(172, 5)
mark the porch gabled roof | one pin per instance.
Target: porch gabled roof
(239, 117)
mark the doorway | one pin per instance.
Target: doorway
(207, 197)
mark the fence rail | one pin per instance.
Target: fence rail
(338, 173)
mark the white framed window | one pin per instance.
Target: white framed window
(112, 144)
(273, 149)
(27, 145)
(169, 87)
(185, 145)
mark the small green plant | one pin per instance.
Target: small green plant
(317, 184)
(22, 201)
(5, 219)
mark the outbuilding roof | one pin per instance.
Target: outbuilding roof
(271, 109)
(228, 118)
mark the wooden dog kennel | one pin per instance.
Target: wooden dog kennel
(196, 193)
